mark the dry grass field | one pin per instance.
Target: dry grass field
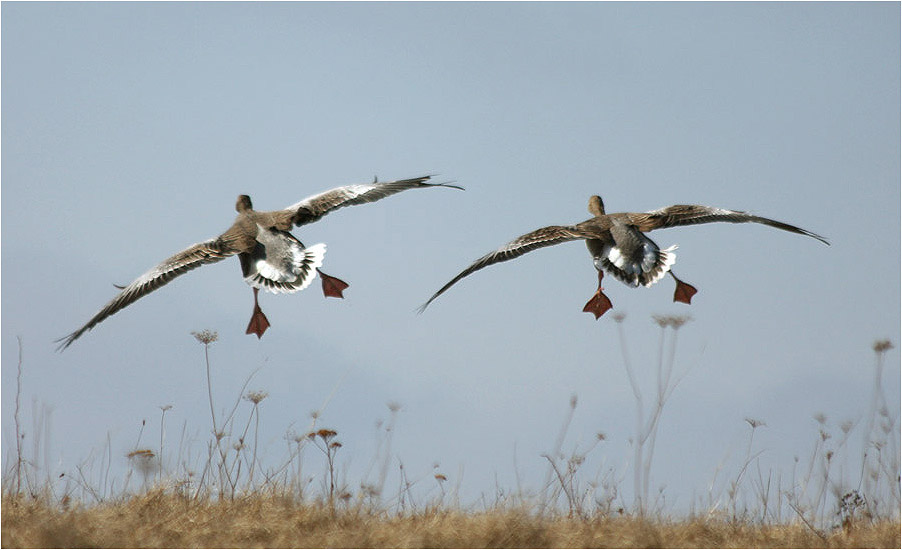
(159, 520)
(229, 497)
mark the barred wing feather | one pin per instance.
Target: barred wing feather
(194, 256)
(540, 238)
(315, 207)
(690, 214)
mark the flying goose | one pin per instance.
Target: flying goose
(618, 245)
(271, 258)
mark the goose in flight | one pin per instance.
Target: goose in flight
(618, 245)
(271, 258)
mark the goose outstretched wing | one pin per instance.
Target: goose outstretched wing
(689, 214)
(540, 238)
(315, 207)
(194, 256)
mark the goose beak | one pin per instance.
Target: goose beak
(259, 323)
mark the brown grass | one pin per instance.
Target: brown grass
(156, 519)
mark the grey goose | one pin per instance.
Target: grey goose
(618, 245)
(271, 258)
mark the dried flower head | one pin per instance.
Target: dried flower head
(257, 396)
(205, 336)
(440, 477)
(618, 317)
(393, 406)
(846, 426)
(601, 436)
(882, 345)
(144, 460)
(141, 454)
(325, 434)
(673, 321)
(821, 418)
(755, 423)
(165, 408)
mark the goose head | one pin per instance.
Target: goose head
(243, 203)
(596, 206)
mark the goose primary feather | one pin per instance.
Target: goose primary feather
(619, 246)
(271, 258)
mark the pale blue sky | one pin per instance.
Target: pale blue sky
(129, 129)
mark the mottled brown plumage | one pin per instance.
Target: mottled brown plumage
(271, 258)
(618, 245)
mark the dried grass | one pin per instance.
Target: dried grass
(156, 519)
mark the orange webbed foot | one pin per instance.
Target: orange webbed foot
(332, 286)
(683, 292)
(598, 305)
(259, 323)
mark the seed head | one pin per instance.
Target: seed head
(325, 434)
(673, 321)
(755, 423)
(882, 345)
(141, 453)
(257, 396)
(143, 460)
(206, 336)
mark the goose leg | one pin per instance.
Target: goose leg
(332, 286)
(259, 323)
(684, 291)
(599, 303)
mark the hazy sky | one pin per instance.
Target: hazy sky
(128, 129)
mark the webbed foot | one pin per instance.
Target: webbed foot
(683, 291)
(259, 323)
(332, 286)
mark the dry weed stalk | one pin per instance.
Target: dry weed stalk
(646, 431)
(19, 434)
(233, 461)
